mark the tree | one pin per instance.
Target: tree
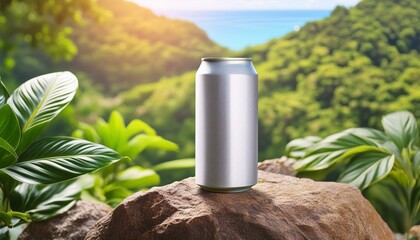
(44, 24)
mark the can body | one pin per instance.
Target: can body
(226, 124)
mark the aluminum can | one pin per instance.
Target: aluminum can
(226, 124)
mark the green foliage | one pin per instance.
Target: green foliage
(4, 95)
(176, 164)
(56, 159)
(25, 161)
(341, 72)
(128, 140)
(151, 102)
(43, 201)
(102, 32)
(39, 101)
(143, 52)
(175, 170)
(118, 181)
(384, 164)
(44, 24)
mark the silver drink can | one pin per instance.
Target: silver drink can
(226, 124)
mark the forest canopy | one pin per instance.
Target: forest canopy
(345, 71)
(114, 43)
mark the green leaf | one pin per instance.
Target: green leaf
(334, 148)
(318, 161)
(416, 165)
(298, 147)
(9, 136)
(137, 126)
(7, 154)
(5, 218)
(415, 202)
(400, 177)
(4, 94)
(44, 202)
(136, 145)
(162, 144)
(92, 187)
(136, 177)
(86, 132)
(175, 165)
(116, 128)
(9, 126)
(4, 233)
(367, 168)
(401, 127)
(103, 132)
(39, 100)
(52, 160)
(116, 194)
(387, 199)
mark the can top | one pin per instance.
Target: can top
(220, 59)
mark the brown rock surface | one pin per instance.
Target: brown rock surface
(414, 232)
(72, 225)
(281, 165)
(278, 207)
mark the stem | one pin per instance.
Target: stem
(411, 211)
(406, 158)
(23, 216)
(414, 206)
(114, 172)
(7, 185)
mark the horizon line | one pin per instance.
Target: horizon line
(239, 10)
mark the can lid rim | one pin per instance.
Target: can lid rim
(220, 59)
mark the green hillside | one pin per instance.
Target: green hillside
(136, 46)
(129, 46)
(344, 71)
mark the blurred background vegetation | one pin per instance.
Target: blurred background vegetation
(344, 71)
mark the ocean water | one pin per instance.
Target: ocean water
(239, 29)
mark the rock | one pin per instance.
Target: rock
(281, 165)
(414, 232)
(399, 236)
(278, 207)
(71, 225)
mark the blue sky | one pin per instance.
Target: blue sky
(242, 4)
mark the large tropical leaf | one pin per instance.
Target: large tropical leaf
(142, 141)
(43, 202)
(39, 100)
(9, 136)
(416, 164)
(367, 168)
(415, 202)
(175, 165)
(116, 135)
(298, 147)
(52, 160)
(137, 177)
(9, 126)
(4, 94)
(402, 128)
(112, 133)
(388, 200)
(137, 126)
(341, 146)
(8, 156)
